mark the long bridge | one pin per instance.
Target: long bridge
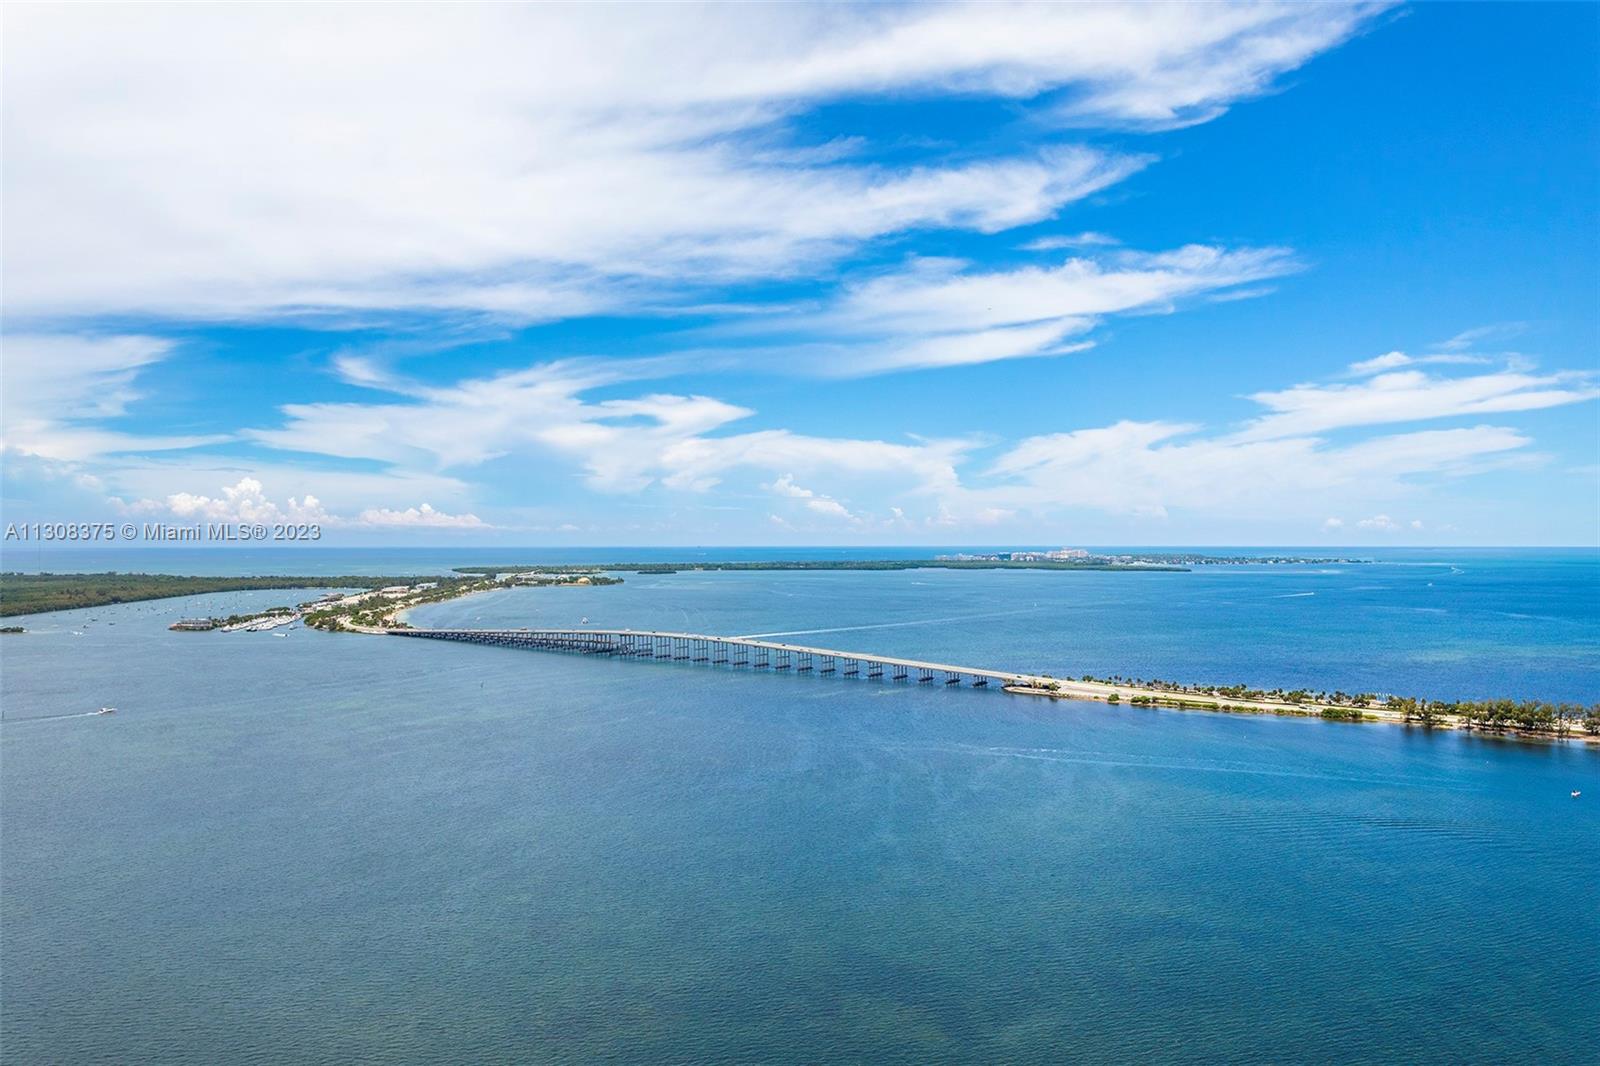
(732, 652)
(749, 653)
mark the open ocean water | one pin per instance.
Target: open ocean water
(320, 848)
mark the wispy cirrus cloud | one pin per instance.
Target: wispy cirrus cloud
(1395, 360)
(1155, 468)
(61, 388)
(1304, 452)
(680, 442)
(1297, 457)
(1471, 338)
(1412, 396)
(944, 295)
(944, 312)
(519, 177)
(416, 441)
(1086, 239)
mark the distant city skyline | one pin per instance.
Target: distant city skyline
(859, 275)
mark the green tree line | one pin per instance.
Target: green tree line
(36, 593)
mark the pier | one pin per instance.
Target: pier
(732, 652)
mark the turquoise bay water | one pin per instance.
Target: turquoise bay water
(335, 848)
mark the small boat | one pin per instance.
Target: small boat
(584, 620)
(106, 710)
(1576, 793)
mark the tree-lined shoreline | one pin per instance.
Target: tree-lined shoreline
(37, 593)
(41, 593)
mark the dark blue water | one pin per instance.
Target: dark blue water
(340, 848)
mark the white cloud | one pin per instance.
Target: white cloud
(865, 356)
(1151, 468)
(1086, 239)
(1395, 360)
(342, 490)
(419, 516)
(941, 312)
(1409, 396)
(83, 375)
(1282, 462)
(813, 501)
(941, 296)
(1167, 93)
(785, 486)
(1382, 523)
(422, 436)
(828, 506)
(57, 385)
(1248, 292)
(1470, 338)
(1386, 361)
(624, 445)
(246, 502)
(481, 158)
(243, 502)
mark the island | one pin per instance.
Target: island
(379, 607)
(767, 565)
(372, 613)
(36, 593)
(1054, 559)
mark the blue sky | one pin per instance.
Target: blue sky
(808, 275)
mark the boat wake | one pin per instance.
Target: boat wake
(55, 717)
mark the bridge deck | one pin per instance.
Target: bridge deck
(706, 648)
(622, 637)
